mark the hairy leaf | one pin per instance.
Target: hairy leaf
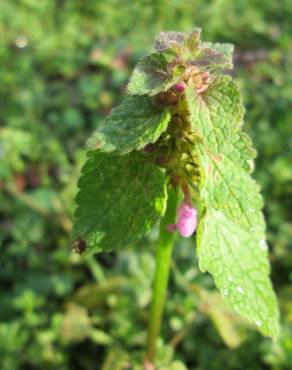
(241, 151)
(217, 113)
(153, 75)
(168, 39)
(187, 45)
(216, 55)
(132, 125)
(193, 41)
(238, 262)
(190, 48)
(119, 200)
(231, 189)
(231, 235)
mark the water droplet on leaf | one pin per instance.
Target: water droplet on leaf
(263, 245)
(239, 289)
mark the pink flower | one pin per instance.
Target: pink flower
(187, 220)
(205, 75)
(180, 87)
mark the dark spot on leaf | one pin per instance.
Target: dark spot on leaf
(79, 246)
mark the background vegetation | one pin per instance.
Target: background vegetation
(63, 65)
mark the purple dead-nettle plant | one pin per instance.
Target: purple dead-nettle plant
(175, 150)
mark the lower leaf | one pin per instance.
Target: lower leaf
(238, 262)
(119, 200)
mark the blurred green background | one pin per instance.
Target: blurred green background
(63, 65)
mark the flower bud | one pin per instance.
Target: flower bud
(185, 158)
(180, 87)
(205, 75)
(191, 169)
(187, 220)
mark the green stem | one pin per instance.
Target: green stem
(163, 260)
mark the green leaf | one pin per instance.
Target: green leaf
(216, 55)
(132, 125)
(160, 71)
(242, 152)
(225, 153)
(193, 41)
(217, 113)
(190, 48)
(119, 200)
(233, 229)
(152, 75)
(239, 265)
(231, 236)
(186, 45)
(229, 188)
(169, 39)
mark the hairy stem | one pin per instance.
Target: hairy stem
(163, 259)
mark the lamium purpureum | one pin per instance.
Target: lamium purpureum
(175, 150)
